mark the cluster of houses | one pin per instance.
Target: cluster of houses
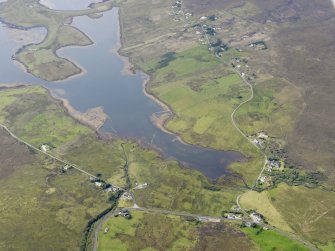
(233, 216)
(259, 139)
(240, 64)
(256, 217)
(273, 164)
(207, 35)
(177, 4)
(264, 179)
(177, 11)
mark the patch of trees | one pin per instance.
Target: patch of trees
(219, 46)
(210, 31)
(212, 18)
(89, 226)
(166, 59)
(295, 178)
(212, 188)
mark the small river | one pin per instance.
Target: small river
(106, 84)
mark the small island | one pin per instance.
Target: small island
(42, 59)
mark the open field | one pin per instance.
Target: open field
(268, 240)
(293, 101)
(312, 141)
(39, 206)
(39, 119)
(39, 203)
(273, 110)
(41, 59)
(153, 231)
(172, 187)
(293, 94)
(104, 158)
(149, 231)
(203, 92)
(29, 111)
(288, 103)
(309, 212)
(261, 203)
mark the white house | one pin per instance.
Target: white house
(45, 148)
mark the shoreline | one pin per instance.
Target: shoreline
(78, 116)
(159, 123)
(130, 68)
(84, 117)
(82, 70)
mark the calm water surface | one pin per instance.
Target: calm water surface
(68, 4)
(121, 95)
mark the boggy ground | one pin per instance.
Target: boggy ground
(153, 231)
(293, 91)
(308, 212)
(40, 203)
(41, 59)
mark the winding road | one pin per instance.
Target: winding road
(240, 131)
(209, 218)
(99, 224)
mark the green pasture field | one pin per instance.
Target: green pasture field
(268, 240)
(203, 92)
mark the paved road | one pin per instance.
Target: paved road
(240, 131)
(153, 210)
(97, 228)
(197, 216)
(50, 155)
(178, 213)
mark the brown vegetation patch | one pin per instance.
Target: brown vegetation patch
(200, 6)
(10, 149)
(305, 57)
(214, 236)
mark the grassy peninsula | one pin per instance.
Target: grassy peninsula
(41, 59)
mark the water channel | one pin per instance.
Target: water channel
(120, 94)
